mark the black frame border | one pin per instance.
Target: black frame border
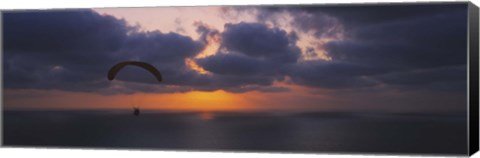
(473, 85)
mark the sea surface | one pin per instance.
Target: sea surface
(315, 132)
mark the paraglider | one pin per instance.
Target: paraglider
(136, 111)
(117, 67)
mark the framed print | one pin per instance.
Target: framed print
(387, 78)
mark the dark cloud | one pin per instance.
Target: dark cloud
(320, 18)
(160, 47)
(166, 51)
(372, 14)
(380, 40)
(322, 25)
(257, 40)
(240, 73)
(254, 56)
(425, 76)
(267, 89)
(333, 75)
(237, 65)
(60, 31)
(410, 45)
(206, 32)
(401, 46)
(73, 50)
(60, 49)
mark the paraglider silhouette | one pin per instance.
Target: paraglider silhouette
(112, 73)
(117, 67)
(136, 111)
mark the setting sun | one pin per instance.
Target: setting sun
(194, 101)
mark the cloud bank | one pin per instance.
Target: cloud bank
(390, 47)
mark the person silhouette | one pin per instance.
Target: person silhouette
(136, 111)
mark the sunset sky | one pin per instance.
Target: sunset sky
(378, 58)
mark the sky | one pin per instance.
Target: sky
(375, 58)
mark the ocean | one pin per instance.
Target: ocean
(314, 132)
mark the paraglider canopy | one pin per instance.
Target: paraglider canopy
(116, 68)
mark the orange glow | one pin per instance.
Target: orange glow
(309, 41)
(212, 46)
(196, 101)
(200, 101)
(206, 116)
(194, 66)
(191, 101)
